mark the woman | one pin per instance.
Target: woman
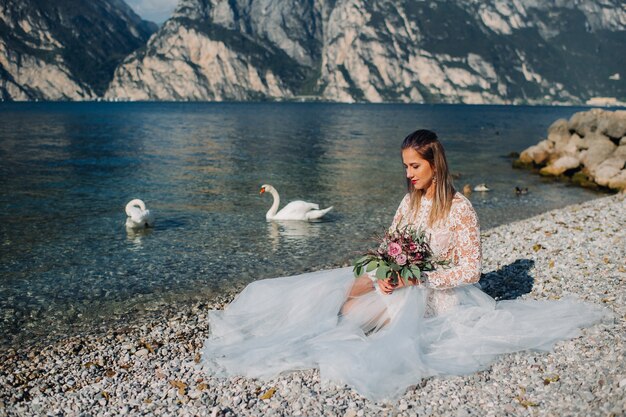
(379, 337)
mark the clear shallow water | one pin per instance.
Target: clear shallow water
(68, 169)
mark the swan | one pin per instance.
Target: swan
(295, 210)
(481, 187)
(138, 216)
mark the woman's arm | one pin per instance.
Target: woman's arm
(466, 232)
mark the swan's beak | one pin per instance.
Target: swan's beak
(262, 190)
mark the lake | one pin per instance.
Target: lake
(68, 169)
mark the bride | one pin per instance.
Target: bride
(380, 337)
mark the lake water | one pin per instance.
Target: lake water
(68, 169)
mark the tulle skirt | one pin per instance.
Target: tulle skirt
(383, 343)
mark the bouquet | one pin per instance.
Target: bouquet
(404, 253)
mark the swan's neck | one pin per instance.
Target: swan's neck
(272, 211)
(134, 203)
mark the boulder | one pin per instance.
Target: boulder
(558, 133)
(558, 167)
(586, 122)
(572, 147)
(591, 146)
(599, 149)
(618, 182)
(559, 127)
(607, 170)
(537, 154)
(613, 124)
(559, 140)
(620, 152)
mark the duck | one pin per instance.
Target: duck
(138, 216)
(295, 210)
(520, 191)
(467, 190)
(481, 187)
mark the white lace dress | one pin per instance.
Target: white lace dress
(386, 343)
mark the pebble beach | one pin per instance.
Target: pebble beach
(151, 367)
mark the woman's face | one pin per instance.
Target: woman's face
(418, 170)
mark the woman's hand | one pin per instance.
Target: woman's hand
(387, 285)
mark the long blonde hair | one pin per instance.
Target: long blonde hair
(427, 145)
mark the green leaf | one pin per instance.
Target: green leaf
(381, 272)
(416, 272)
(371, 266)
(361, 260)
(395, 266)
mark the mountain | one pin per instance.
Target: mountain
(65, 49)
(469, 51)
(452, 51)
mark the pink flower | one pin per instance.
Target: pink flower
(394, 249)
(412, 247)
(401, 259)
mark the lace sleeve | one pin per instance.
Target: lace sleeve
(466, 253)
(401, 212)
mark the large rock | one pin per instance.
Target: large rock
(607, 170)
(610, 172)
(620, 152)
(586, 122)
(572, 147)
(559, 127)
(561, 165)
(537, 154)
(559, 135)
(586, 146)
(613, 124)
(599, 147)
(618, 182)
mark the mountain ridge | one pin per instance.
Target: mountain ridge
(446, 51)
(65, 50)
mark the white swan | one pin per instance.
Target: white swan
(138, 216)
(295, 210)
(481, 187)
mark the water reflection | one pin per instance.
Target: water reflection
(292, 232)
(136, 236)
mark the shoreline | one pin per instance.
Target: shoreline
(150, 366)
(341, 103)
(148, 311)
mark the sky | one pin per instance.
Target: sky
(154, 10)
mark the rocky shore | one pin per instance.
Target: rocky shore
(150, 368)
(589, 148)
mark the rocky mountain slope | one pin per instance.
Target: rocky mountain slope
(65, 49)
(470, 51)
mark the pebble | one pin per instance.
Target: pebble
(581, 249)
(142, 352)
